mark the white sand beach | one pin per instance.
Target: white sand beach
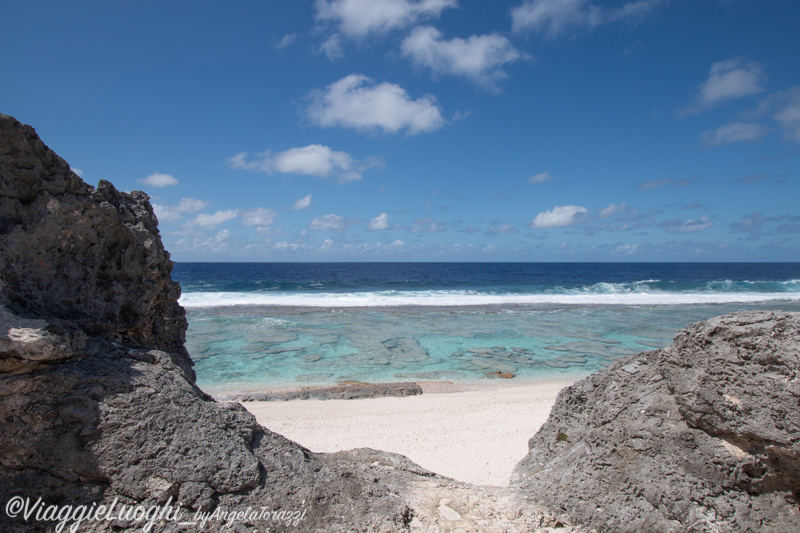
(475, 434)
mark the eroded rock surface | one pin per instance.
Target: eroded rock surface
(700, 436)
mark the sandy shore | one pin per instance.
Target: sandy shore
(475, 435)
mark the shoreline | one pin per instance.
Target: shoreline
(434, 386)
(474, 433)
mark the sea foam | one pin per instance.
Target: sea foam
(461, 298)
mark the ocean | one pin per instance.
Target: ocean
(268, 325)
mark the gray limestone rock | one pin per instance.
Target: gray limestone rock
(91, 257)
(700, 436)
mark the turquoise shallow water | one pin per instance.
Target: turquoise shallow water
(244, 348)
(264, 325)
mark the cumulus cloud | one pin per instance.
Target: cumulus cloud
(260, 216)
(479, 58)
(209, 221)
(77, 171)
(612, 210)
(380, 222)
(329, 223)
(332, 47)
(733, 133)
(560, 217)
(554, 17)
(173, 213)
(302, 203)
(220, 243)
(360, 18)
(312, 160)
(158, 179)
(357, 102)
(627, 249)
(689, 226)
(540, 178)
(728, 80)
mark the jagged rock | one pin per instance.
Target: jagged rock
(700, 436)
(97, 396)
(92, 257)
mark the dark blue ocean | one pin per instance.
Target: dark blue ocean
(263, 325)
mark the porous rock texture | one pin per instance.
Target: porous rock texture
(701, 436)
(98, 402)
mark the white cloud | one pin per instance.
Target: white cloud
(160, 180)
(427, 225)
(332, 47)
(540, 178)
(730, 79)
(77, 171)
(329, 223)
(732, 133)
(266, 231)
(690, 226)
(259, 216)
(653, 184)
(315, 160)
(166, 213)
(173, 213)
(380, 222)
(479, 58)
(286, 41)
(504, 229)
(209, 221)
(240, 162)
(612, 210)
(359, 18)
(302, 203)
(627, 249)
(223, 236)
(219, 243)
(191, 205)
(553, 17)
(560, 217)
(356, 102)
(788, 111)
(312, 160)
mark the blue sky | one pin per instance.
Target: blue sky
(428, 130)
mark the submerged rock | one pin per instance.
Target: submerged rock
(351, 390)
(701, 436)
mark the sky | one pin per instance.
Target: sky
(427, 130)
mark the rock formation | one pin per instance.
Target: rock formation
(97, 397)
(700, 436)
